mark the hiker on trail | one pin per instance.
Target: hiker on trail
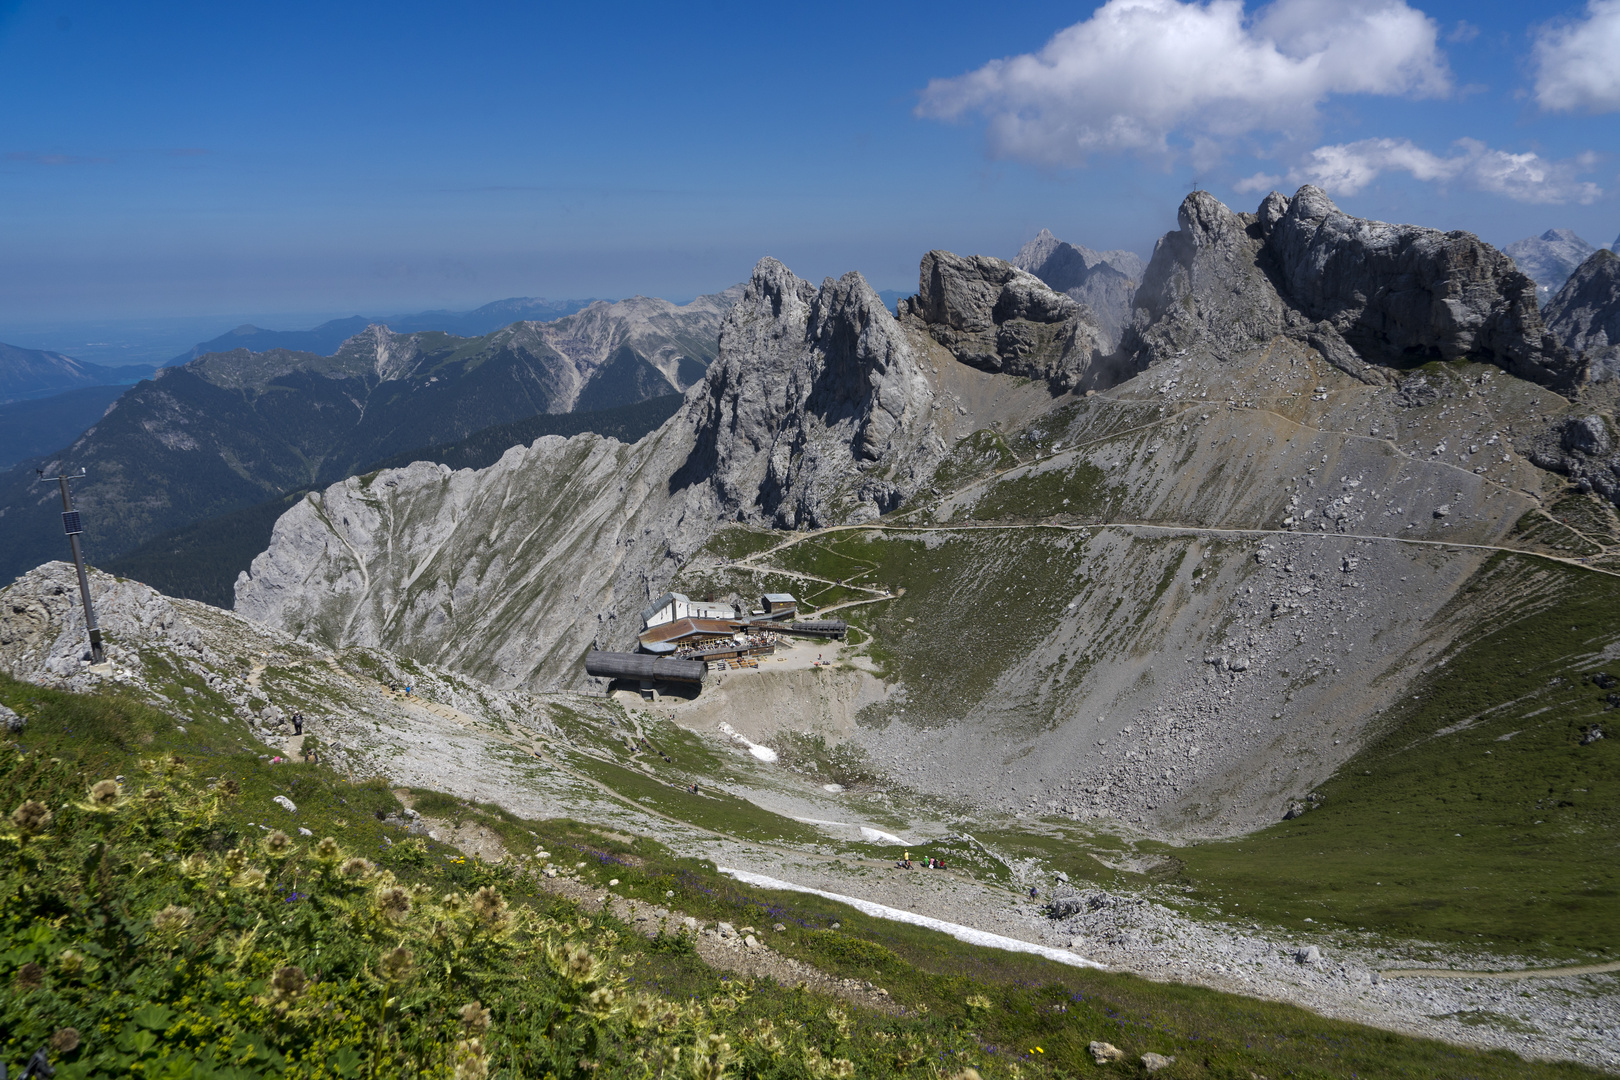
(1032, 893)
(298, 723)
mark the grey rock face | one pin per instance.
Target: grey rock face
(993, 316)
(1549, 259)
(11, 721)
(1365, 294)
(1205, 288)
(1399, 293)
(1585, 315)
(815, 411)
(1103, 281)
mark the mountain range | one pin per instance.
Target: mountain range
(232, 430)
(325, 338)
(1265, 640)
(27, 374)
(1314, 435)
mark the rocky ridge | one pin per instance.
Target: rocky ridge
(1264, 517)
(1367, 295)
(815, 410)
(1585, 315)
(233, 430)
(996, 317)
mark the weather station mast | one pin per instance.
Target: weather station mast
(73, 527)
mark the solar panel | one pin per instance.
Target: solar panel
(70, 522)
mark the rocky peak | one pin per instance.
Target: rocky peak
(1585, 315)
(1368, 295)
(1550, 258)
(994, 316)
(389, 355)
(816, 407)
(1103, 281)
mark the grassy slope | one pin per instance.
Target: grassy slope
(1021, 1002)
(1533, 871)
(1477, 817)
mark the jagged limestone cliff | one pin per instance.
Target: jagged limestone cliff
(1184, 592)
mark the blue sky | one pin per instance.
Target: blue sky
(174, 159)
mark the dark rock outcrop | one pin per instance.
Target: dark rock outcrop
(993, 316)
(1103, 281)
(1585, 315)
(1366, 294)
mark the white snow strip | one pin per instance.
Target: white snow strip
(955, 930)
(759, 750)
(870, 835)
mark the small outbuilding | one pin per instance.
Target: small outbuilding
(779, 605)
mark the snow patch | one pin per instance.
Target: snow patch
(955, 930)
(763, 753)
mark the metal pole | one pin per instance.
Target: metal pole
(70, 524)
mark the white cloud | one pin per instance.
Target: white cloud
(1578, 62)
(1346, 168)
(1137, 71)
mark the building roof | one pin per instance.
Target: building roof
(779, 598)
(684, 628)
(659, 604)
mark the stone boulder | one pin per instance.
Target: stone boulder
(993, 316)
(1585, 315)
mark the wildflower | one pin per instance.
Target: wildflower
(839, 1018)
(171, 923)
(153, 795)
(30, 977)
(235, 859)
(194, 866)
(230, 788)
(104, 794)
(356, 868)
(327, 849)
(396, 964)
(641, 1012)
(601, 1001)
(278, 843)
(31, 818)
(712, 1056)
(577, 964)
(977, 1004)
(840, 1068)
(251, 878)
(65, 1041)
(71, 962)
(474, 1018)
(490, 907)
(287, 983)
(471, 1061)
(393, 902)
